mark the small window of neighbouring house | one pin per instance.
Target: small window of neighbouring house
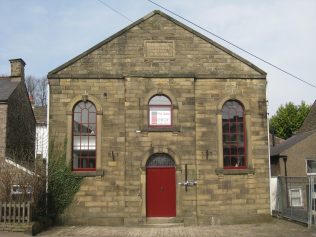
(84, 137)
(160, 111)
(295, 197)
(21, 192)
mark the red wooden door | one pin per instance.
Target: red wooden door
(161, 192)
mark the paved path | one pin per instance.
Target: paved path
(277, 228)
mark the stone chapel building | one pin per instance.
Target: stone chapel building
(162, 122)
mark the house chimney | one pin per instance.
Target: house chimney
(17, 69)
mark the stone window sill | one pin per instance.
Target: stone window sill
(221, 171)
(89, 173)
(161, 129)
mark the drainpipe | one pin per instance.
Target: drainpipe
(284, 157)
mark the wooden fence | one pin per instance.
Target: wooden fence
(15, 212)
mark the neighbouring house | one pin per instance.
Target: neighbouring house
(17, 122)
(289, 157)
(290, 186)
(162, 122)
(41, 144)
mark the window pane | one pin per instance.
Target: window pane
(84, 163)
(76, 142)
(234, 150)
(226, 138)
(84, 116)
(240, 151)
(233, 160)
(233, 138)
(233, 127)
(241, 161)
(240, 138)
(77, 117)
(92, 129)
(87, 143)
(225, 116)
(159, 100)
(225, 127)
(226, 151)
(92, 117)
(240, 127)
(91, 163)
(79, 107)
(226, 161)
(75, 160)
(76, 127)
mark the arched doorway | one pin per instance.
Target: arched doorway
(160, 186)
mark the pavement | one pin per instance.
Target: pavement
(276, 228)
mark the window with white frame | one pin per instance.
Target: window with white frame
(296, 197)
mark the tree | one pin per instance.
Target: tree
(37, 89)
(288, 119)
(41, 92)
(30, 83)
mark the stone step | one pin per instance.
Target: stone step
(164, 225)
(163, 220)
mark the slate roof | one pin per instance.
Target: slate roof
(277, 150)
(63, 66)
(6, 88)
(40, 113)
(310, 120)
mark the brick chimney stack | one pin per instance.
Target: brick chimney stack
(17, 69)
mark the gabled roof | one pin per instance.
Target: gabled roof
(278, 149)
(310, 120)
(63, 66)
(6, 88)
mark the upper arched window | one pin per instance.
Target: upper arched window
(84, 136)
(234, 139)
(160, 111)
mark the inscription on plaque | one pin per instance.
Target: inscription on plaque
(159, 49)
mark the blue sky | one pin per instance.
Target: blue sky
(48, 33)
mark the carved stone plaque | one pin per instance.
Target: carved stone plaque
(159, 49)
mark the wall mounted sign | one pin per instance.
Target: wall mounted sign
(159, 49)
(160, 117)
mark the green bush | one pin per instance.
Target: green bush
(63, 184)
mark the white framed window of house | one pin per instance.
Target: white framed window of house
(295, 197)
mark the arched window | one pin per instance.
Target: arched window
(160, 111)
(234, 139)
(84, 136)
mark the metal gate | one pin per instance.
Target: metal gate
(312, 202)
(296, 199)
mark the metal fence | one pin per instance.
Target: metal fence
(13, 212)
(296, 199)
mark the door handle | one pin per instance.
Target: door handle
(162, 189)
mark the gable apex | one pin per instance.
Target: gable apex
(261, 73)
